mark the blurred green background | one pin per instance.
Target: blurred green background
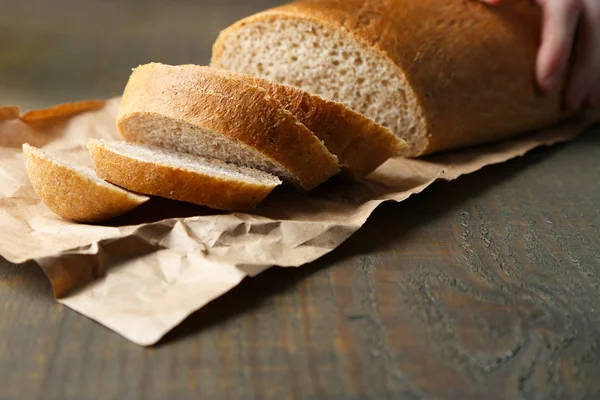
(53, 51)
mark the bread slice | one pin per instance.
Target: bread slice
(195, 110)
(360, 144)
(180, 176)
(440, 74)
(75, 193)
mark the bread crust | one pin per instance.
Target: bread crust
(60, 111)
(73, 195)
(360, 144)
(157, 179)
(471, 67)
(240, 111)
(9, 112)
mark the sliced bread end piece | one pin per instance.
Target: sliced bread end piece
(75, 193)
(193, 109)
(180, 176)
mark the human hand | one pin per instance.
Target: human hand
(571, 32)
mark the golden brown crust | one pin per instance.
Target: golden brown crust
(360, 144)
(61, 111)
(232, 108)
(156, 179)
(73, 195)
(471, 67)
(9, 112)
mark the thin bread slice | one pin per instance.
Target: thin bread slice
(195, 110)
(75, 193)
(360, 144)
(440, 74)
(181, 176)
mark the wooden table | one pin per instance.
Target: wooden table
(487, 287)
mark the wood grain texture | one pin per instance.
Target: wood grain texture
(487, 287)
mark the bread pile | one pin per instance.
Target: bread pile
(304, 92)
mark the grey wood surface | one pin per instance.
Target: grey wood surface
(487, 287)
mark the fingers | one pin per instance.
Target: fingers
(563, 19)
(558, 34)
(585, 74)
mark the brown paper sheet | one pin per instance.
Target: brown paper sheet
(144, 273)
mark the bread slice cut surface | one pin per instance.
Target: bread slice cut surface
(180, 176)
(196, 110)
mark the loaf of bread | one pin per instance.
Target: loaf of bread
(180, 176)
(75, 193)
(305, 90)
(440, 74)
(197, 110)
(360, 144)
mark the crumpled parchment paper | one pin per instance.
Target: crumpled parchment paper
(142, 274)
